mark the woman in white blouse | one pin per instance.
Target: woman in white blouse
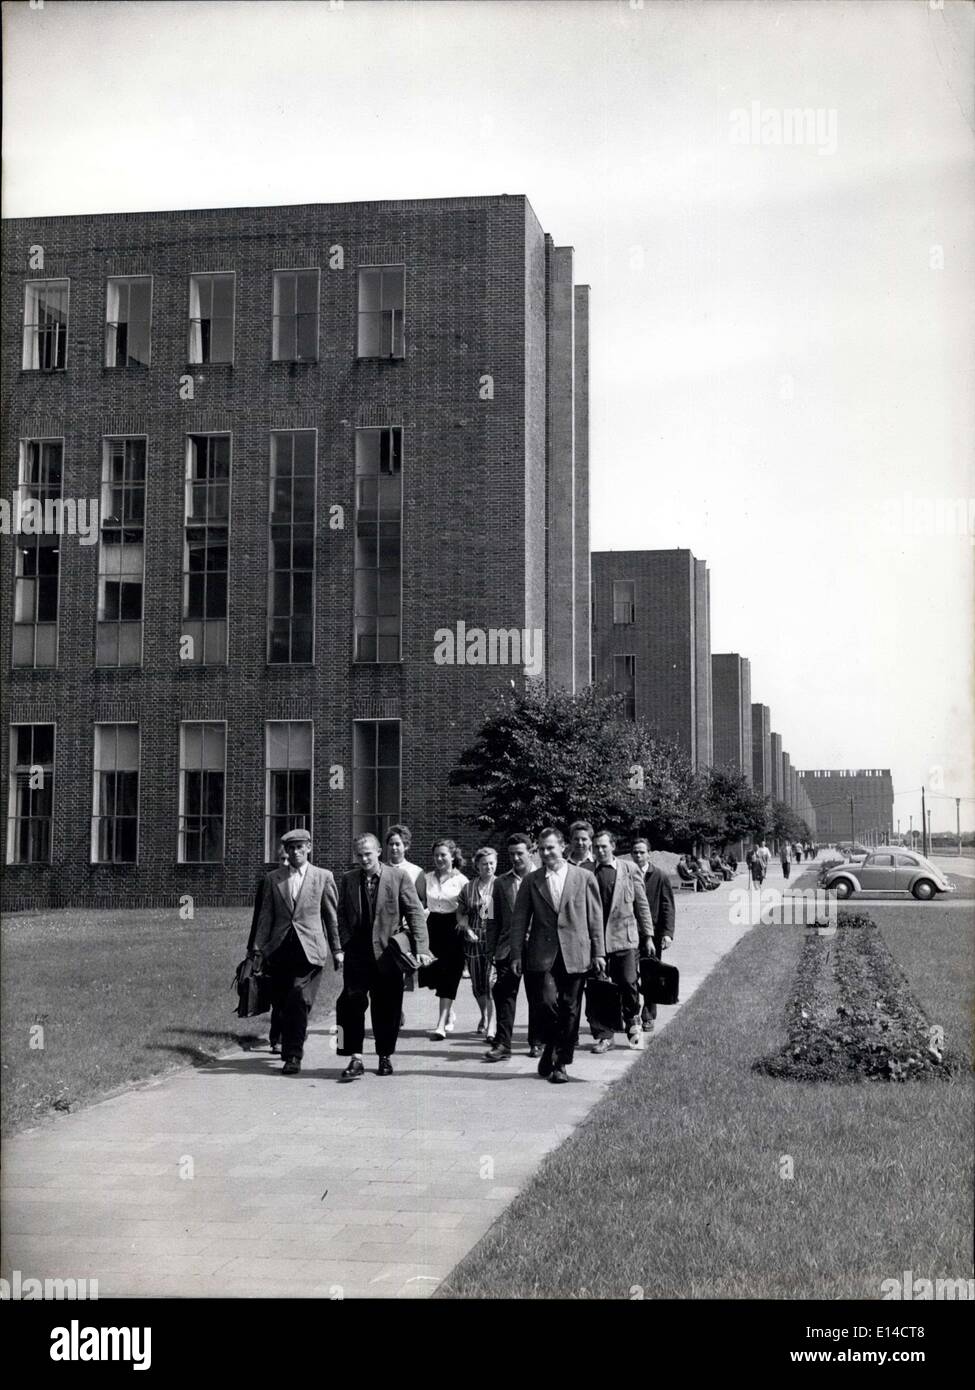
(444, 885)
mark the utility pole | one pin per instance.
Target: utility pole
(924, 822)
(930, 845)
(911, 832)
(853, 838)
(958, 822)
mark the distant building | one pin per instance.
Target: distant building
(786, 779)
(762, 749)
(775, 745)
(651, 641)
(856, 804)
(731, 685)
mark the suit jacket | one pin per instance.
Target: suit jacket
(628, 923)
(499, 929)
(312, 916)
(577, 928)
(396, 902)
(660, 896)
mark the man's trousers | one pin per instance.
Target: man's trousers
(505, 995)
(623, 970)
(294, 985)
(381, 990)
(555, 996)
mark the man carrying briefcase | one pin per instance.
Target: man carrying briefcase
(627, 925)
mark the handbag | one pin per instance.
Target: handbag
(603, 1003)
(253, 990)
(659, 981)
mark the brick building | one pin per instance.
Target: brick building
(786, 778)
(731, 684)
(830, 791)
(339, 456)
(761, 749)
(775, 745)
(651, 640)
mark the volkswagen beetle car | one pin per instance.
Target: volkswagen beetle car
(888, 870)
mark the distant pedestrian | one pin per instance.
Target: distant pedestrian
(785, 858)
(761, 858)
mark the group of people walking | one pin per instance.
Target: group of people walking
(556, 916)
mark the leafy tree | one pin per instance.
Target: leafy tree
(740, 813)
(786, 825)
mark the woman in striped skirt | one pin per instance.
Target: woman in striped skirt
(475, 909)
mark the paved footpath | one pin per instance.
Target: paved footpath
(234, 1180)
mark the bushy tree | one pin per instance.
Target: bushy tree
(740, 813)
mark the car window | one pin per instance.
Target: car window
(904, 861)
(884, 861)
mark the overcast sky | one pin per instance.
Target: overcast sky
(782, 336)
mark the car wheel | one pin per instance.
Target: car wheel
(842, 888)
(924, 890)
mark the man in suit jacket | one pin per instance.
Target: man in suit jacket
(660, 896)
(628, 926)
(298, 909)
(559, 905)
(508, 982)
(375, 899)
(274, 1037)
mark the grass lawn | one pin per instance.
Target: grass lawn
(120, 996)
(678, 1184)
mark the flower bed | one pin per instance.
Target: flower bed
(852, 1016)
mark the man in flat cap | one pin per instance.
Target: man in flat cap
(298, 910)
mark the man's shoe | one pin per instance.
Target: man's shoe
(634, 1035)
(546, 1064)
(534, 1050)
(353, 1071)
(497, 1054)
(602, 1045)
(558, 1076)
(291, 1067)
(385, 1067)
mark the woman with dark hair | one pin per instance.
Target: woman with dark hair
(444, 885)
(475, 916)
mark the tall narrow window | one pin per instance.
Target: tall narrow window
(295, 336)
(378, 543)
(375, 775)
(30, 797)
(624, 683)
(382, 292)
(45, 325)
(287, 763)
(211, 318)
(624, 600)
(127, 313)
(206, 548)
(115, 809)
(202, 778)
(121, 563)
(291, 547)
(38, 554)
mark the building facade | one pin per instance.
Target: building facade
(762, 749)
(775, 745)
(856, 804)
(651, 641)
(336, 458)
(731, 684)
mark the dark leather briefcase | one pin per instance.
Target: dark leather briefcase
(659, 982)
(603, 1003)
(253, 990)
(398, 956)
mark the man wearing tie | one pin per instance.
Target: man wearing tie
(559, 912)
(660, 896)
(298, 909)
(628, 927)
(375, 899)
(507, 985)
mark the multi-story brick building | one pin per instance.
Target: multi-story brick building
(339, 459)
(761, 749)
(856, 804)
(786, 778)
(651, 641)
(775, 745)
(731, 684)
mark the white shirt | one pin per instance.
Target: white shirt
(442, 896)
(295, 879)
(556, 882)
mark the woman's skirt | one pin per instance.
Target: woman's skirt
(478, 964)
(446, 943)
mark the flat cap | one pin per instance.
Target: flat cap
(296, 837)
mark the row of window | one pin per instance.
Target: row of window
(201, 826)
(211, 318)
(292, 529)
